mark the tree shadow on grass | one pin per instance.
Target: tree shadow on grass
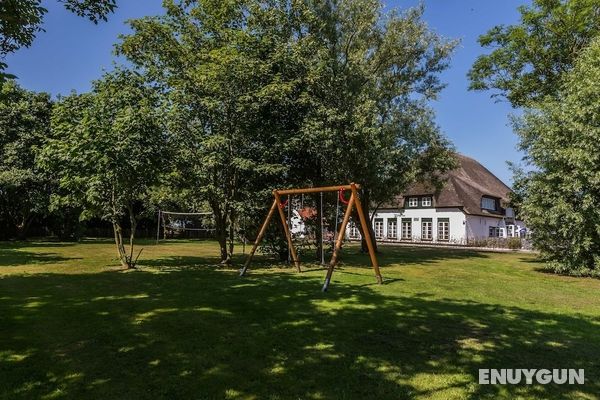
(205, 333)
(186, 262)
(389, 254)
(37, 244)
(425, 254)
(543, 267)
(16, 257)
(351, 256)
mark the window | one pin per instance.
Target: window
(379, 228)
(443, 229)
(426, 229)
(488, 203)
(406, 229)
(392, 231)
(413, 201)
(426, 201)
(354, 232)
(494, 231)
(511, 231)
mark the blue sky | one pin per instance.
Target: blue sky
(72, 52)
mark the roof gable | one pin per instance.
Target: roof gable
(464, 188)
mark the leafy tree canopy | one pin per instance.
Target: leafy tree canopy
(560, 197)
(24, 123)
(274, 93)
(528, 59)
(107, 150)
(369, 76)
(229, 70)
(368, 85)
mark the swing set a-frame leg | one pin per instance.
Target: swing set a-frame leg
(288, 235)
(261, 234)
(364, 222)
(338, 243)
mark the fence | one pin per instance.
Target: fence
(512, 243)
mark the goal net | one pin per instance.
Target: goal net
(182, 225)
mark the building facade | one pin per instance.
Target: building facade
(471, 205)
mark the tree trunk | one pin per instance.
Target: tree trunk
(221, 231)
(133, 226)
(231, 239)
(121, 254)
(222, 239)
(23, 227)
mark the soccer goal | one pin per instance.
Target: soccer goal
(184, 225)
(279, 206)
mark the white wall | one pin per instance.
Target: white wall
(462, 226)
(455, 216)
(479, 226)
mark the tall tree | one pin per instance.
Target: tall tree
(225, 69)
(560, 196)
(107, 150)
(370, 77)
(285, 92)
(24, 190)
(528, 59)
(21, 21)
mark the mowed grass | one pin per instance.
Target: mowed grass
(73, 326)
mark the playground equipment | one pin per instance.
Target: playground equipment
(183, 224)
(354, 201)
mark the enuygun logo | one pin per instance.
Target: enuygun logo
(516, 376)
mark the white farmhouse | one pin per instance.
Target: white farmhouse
(471, 205)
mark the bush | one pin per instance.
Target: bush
(514, 243)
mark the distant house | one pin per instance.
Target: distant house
(472, 204)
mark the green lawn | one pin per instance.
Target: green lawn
(72, 326)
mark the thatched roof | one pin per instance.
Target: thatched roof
(464, 187)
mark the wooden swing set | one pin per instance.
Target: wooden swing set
(354, 201)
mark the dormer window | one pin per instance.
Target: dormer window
(426, 202)
(488, 203)
(413, 201)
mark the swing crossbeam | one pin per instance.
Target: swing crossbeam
(284, 192)
(352, 203)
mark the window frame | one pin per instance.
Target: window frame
(429, 201)
(406, 222)
(354, 232)
(376, 221)
(428, 221)
(393, 221)
(489, 199)
(412, 202)
(446, 237)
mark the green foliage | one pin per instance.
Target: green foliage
(265, 94)
(107, 150)
(528, 59)
(369, 76)
(24, 190)
(560, 196)
(94, 10)
(21, 20)
(514, 243)
(229, 78)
